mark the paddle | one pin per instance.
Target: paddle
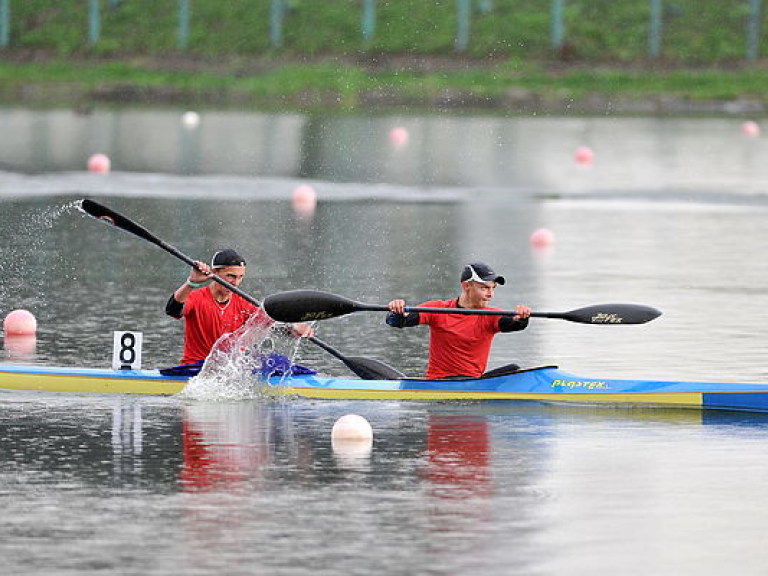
(365, 368)
(308, 305)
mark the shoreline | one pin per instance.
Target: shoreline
(515, 102)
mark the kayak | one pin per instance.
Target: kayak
(88, 380)
(541, 384)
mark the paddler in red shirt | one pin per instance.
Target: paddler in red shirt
(210, 310)
(459, 345)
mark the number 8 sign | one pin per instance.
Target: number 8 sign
(126, 351)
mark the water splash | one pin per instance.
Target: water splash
(22, 252)
(235, 368)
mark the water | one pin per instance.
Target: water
(670, 215)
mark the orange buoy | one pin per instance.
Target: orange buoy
(750, 128)
(584, 155)
(20, 323)
(304, 201)
(99, 164)
(542, 238)
(399, 137)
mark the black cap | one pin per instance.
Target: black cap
(480, 272)
(228, 257)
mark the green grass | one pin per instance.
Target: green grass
(693, 31)
(323, 57)
(347, 84)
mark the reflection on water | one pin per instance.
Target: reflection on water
(127, 440)
(458, 449)
(450, 488)
(225, 446)
(20, 348)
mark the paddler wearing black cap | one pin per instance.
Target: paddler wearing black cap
(210, 310)
(459, 345)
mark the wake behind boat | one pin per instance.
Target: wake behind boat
(542, 384)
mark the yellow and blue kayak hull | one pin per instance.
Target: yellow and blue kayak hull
(88, 380)
(545, 384)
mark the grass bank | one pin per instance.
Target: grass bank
(231, 56)
(345, 84)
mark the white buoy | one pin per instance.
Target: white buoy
(190, 119)
(352, 428)
(352, 442)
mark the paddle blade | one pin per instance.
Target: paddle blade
(104, 214)
(612, 314)
(307, 306)
(371, 369)
(365, 368)
(100, 212)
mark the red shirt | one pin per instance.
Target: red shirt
(205, 321)
(458, 345)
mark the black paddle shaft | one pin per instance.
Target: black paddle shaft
(310, 305)
(365, 368)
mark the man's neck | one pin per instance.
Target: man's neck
(219, 295)
(464, 302)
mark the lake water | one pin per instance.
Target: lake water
(671, 213)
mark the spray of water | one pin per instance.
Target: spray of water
(238, 366)
(23, 245)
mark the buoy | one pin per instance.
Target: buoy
(190, 119)
(584, 155)
(398, 137)
(304, 200)
(542, 238)
(352, 441)
(20, 323)
(99, 164)
(24, 346)
(352, 428)
(750, 128)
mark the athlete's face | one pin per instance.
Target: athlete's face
(232, 274)
(479, 294)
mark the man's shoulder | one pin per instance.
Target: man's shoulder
(197, 295)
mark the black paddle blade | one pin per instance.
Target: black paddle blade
(307, 306)
(112, 218)
(365, 368)
(104, 214)
(613, 314)
(371, 369)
